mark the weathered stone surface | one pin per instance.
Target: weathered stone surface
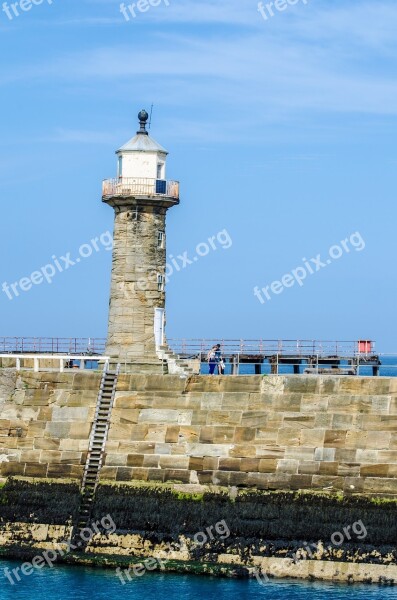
(249, 464)
(223, 435)
(125, 415)
(156, 433)
(165, 416)
(312, 437)
(126, 474)
(177, 475)
(335, 438)
(270, 452)
(80, 430)
(8, 384)
(220, 450)
(267, 465)
(329, 468)
(245, 434)
(224, 417)
(174, 462)
(108, 473)
(188, 434)
(70, 413)
(317, 431)
(229, 464)
(254, 419)
(325, 454)
(137, 460)
(380, 470)
(308, 467)
(46, 444)
(289, 436)
(58, 430)
(35, 470)
(50, 456)
(31, 456)
(243, 451)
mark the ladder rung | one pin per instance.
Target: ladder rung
(97, 446)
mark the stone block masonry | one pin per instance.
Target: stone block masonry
(45, 423)
(135, 291)
(276, 432)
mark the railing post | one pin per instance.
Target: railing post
(277, 363)
(36, 366)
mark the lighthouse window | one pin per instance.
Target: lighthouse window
(160, 240)
(160, 283)
(120, 167)
(134, 214)
(160, 171)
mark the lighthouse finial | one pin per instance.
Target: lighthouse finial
(143, 117)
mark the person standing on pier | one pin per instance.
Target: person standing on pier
(214, 357)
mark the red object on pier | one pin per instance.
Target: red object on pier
(365, 346)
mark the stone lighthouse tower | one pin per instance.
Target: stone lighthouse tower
(140, 196)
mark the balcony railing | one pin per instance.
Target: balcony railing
(139, 186)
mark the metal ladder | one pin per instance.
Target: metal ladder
(96, 450)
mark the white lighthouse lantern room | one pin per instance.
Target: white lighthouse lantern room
(142, 158)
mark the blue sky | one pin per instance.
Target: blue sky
(281, 131)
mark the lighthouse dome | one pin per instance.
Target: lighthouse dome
(142, 143)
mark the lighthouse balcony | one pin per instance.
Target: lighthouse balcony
(138, 186)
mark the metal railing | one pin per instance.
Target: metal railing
(265, 348)
(60, 363)
(48, 362)
(382, 365)
(42, 345)
(242, 356)
(140, 186)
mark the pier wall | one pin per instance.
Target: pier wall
(172, 527)
(274, 432)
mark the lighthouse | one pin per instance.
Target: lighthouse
(140, 196)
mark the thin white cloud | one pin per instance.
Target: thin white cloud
(80, 136)
(323, 59)
(223, 12)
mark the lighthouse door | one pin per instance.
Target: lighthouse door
(159, 319)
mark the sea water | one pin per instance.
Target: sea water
(388, 368)
(83, 583)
